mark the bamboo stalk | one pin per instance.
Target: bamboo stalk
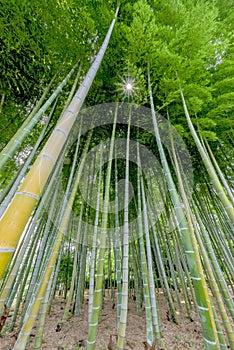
(34, 306)
(15, 218)
(209, 167)
(98, 291)
(31, 121)
(190, 245)
(125, 260)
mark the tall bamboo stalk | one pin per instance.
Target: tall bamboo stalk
(125, 261)
(221, 175)
(7, 194)
(98, 291)
(15, 218)
(190, 245)
(144, 269)
(211, 277)
(209, 167)
(94, 245)
(31, 121)
(35, 304)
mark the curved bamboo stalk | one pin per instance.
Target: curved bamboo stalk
(211, 277)
(221, 175)
(203, 301)
(31, 121)
(215, 264)
(15, 218)
(35, 304)
(209, 167)
(16, 181)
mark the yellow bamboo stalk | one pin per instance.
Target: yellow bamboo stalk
(16, 216)
(34, 306)
(195, 247)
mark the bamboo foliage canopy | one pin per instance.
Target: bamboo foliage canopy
(116, 165)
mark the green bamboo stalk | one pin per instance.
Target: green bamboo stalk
(161, 268)
(209, 167)
(117, 248)
(73, 89)
(221, 175)
(74, 268)
(34, 306)
(182, 273)
(167, 244)
(203, 301)
(137, 275)
(8, 193)
(18, 289)
(220, 237)
(56, 275)
(144, 268)
(2, 101)
(81, 275)
(215, 265)
(31, 121)
(75, 260)
(42, 317)
(94, 244)
(98, 292)
(125, 261)
(211, 277)
(154, 308)
(218, 298)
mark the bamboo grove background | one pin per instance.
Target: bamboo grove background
(172, 229)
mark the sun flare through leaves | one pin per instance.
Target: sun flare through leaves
(128, 87)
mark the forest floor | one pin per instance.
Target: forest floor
(72, 334)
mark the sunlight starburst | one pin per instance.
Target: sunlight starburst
(128, 87)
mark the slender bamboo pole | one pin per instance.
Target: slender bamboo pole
(206, 262)
(209, 167)
(221, 175)
(117, 248)
(35, 304)
(191, 249)
(154, 308)
(31, 121)
(74, 269)
(98, 291)
(7, 194)
(125, 263)
(144, 269)
(94, 245)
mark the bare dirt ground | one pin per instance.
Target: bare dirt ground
(72, 334)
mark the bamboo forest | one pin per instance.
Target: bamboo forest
(116, 174)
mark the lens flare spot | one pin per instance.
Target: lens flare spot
(129, 86)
